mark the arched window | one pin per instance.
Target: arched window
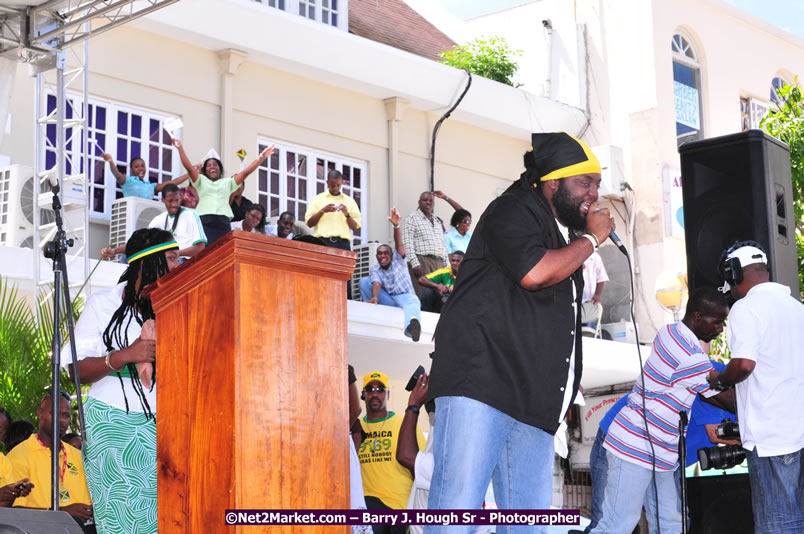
(776, 84)
(687, 89)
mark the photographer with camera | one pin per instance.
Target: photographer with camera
(333, 215)
(766, 336)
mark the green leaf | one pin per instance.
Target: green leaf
(489, 57)
(25, 345)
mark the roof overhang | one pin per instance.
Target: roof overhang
(306, 48)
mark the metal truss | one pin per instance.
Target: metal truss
(34, 34)
(43, 34)
(71, 169)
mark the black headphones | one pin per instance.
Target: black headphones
(730, 269)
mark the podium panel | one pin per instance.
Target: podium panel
(252, 397)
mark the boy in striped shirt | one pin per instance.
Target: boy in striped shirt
(675, 374)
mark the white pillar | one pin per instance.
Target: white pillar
(230, 59)
(394, 111)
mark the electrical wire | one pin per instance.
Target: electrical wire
(644, 408)
(438, 125)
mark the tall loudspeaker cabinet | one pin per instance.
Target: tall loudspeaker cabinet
(738, 187)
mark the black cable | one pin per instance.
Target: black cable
(438, 125)
(644, 408)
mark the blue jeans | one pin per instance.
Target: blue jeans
(628, 487)
(598, 466)
(475, 443)
(409, 302)
(777, 492)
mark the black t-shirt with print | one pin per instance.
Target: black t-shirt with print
(497, 342)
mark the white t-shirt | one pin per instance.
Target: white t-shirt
(423, 474)
(189, 230)
(238, 225)
(97, 313)
(271, 229)
(594, 272)
(767, 327)
(564, 231)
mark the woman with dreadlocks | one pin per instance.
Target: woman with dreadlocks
(116, 348)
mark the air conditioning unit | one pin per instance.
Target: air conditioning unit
(366, 257)
(612, 170)
(17, 205)
(622, 331)
(130, 214)
(73, 194)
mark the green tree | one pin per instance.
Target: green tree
(25, 342)
(786, 123)
(488, 57)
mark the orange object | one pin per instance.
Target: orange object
(251, 361)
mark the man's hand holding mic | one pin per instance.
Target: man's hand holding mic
(599, 222)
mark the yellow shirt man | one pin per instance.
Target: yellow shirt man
(31, 459)
(384, 477)
(332, 214)
(6, 476)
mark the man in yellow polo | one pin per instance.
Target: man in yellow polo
(332, 215)
(31, 459)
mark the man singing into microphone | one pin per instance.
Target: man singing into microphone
(507, 360)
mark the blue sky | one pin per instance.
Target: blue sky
(786, 14)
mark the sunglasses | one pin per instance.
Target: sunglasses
(467, 221)
(374, 389)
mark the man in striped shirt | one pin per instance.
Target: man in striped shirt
(674, 375)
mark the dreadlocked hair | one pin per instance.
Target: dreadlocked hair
(530, 181)
(136, 306)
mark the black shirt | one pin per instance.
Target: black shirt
(497, 342)
(239, 212)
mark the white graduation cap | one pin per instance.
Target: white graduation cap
(211, 153)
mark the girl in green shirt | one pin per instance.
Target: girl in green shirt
(214, 190)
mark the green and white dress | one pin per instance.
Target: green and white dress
(120, 454)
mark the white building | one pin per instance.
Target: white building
(245, 74)
(327, 97)
(650, 75)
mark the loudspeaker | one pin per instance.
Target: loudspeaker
(735, 188)
(720, 505)
(21, 521)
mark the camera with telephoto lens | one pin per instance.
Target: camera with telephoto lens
(723, 457)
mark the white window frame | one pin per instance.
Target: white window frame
(312, 181)
(110, 185)
(775, 99)
(681, 57)
(321, 10)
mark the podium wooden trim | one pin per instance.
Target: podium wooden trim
(251, 367)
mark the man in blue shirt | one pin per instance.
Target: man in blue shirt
(389, 282)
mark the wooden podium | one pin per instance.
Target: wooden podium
(252, 382)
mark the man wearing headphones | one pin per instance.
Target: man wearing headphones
(386, 482)
(766, 336)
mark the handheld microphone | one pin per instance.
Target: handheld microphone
(616, 239)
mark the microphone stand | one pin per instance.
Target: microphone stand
(682, 456)
(56, 250)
